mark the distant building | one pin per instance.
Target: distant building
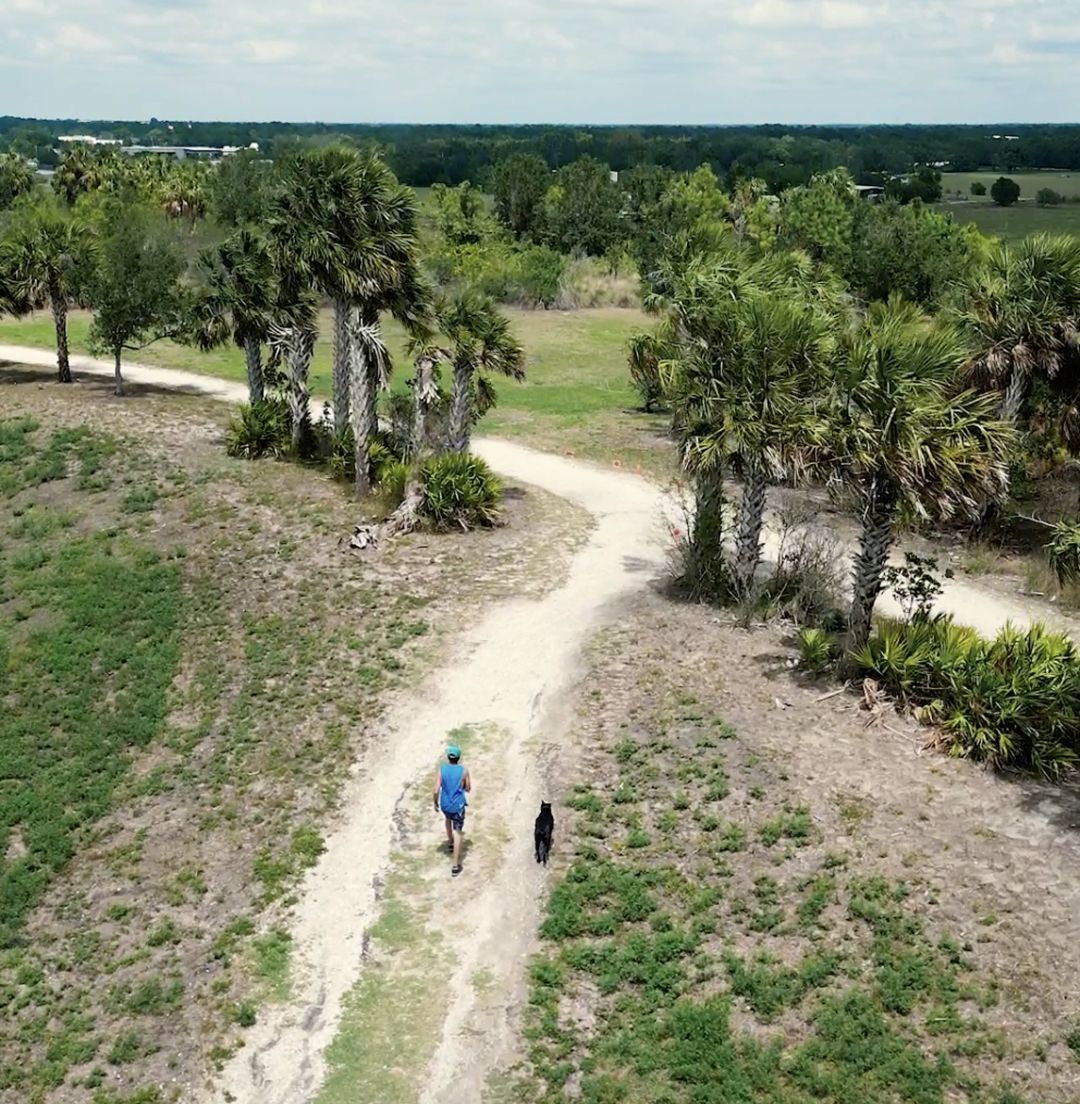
(208, 153)
(89, 140)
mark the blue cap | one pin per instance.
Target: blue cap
(453, 752)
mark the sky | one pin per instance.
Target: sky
(528, 61)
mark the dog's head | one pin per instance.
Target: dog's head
(545, 806)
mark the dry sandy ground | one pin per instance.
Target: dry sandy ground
(513, 671)
(988, 860)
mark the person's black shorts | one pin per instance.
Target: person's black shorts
(457, 820)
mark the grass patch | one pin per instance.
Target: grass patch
(82, 688)
(707, 966)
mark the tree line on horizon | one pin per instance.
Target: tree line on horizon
(781, 155)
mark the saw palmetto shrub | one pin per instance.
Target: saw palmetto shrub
(259, 429)
(1012, 702)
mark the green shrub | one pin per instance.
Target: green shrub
(645, 353)
(1013, 701)
(460, 490)
(1063, 552)
(1047, 197)
(817, 650)
(259, 429)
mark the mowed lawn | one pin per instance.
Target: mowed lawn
(1018, 221)
(576, 396)
(1067, 183)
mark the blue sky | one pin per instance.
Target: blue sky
(598, 61)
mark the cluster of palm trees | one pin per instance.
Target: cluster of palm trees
(339, 227)
(178, 188)
(773, 373)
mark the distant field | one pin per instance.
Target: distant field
(1013, 223)
(1067, 183)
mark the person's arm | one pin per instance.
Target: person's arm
(435, 792)
(466, 782)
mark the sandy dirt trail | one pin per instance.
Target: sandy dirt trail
(512, 672)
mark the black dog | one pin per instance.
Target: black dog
(542, 832)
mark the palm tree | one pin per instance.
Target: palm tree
(481, 344)
(1021, 317)
(238, 300)
(751, 353)
(902, 438)
(343, 225)
(47, 257)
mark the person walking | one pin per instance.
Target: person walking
(452, 783)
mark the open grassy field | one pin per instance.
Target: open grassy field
(188, 666)
(1067, 183)
(746, 910)
(1018, 221)
(576, 396)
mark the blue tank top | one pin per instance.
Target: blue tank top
(451, 795)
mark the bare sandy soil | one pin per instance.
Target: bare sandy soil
(988, 862)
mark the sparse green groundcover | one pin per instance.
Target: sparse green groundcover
(735, 955)
(188, 665)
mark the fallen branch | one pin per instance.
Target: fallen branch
(831, 694)
(405, 519)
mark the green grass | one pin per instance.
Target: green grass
(1018, 221)
(1066, 183)
(576, 395)
(85, 681)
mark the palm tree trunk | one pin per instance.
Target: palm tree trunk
(299, 359)
(363, 414)
(341, 367)
(118, 379)
(59, 313)
(705, 570)
(1012, 401)
(460, 409)
(870, 560)
(1009, 409)
(748, 529)
(253, 363)
(423, 395)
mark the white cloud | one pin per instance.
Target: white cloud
(538, 60)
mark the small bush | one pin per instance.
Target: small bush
(646, 351)
(978, 188)
(1047, 197)
(817, 650)
(259, 429)
(460, 490)
(1013, 701)
(1063, 552)
(808, 580)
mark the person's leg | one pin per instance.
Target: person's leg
(457, 847)
(449, 832)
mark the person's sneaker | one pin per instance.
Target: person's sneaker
(455, 870)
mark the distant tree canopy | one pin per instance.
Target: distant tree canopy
(924, 184)
(781, 156)
(519, 185)
(1004, 192)
(582, 209)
